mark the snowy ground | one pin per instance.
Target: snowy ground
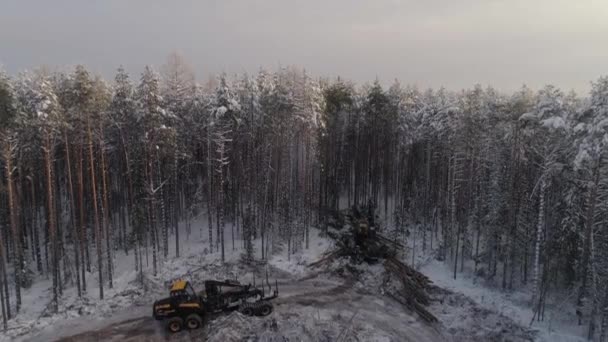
(314, 305)
(559, 326)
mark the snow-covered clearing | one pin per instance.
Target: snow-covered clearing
(335, 304)
(127, 290)
(313, 306)
(559, 324)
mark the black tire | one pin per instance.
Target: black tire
(247, 309)
(175, 324)
(194, 321)
(264, 310)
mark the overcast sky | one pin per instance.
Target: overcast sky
(454, 43)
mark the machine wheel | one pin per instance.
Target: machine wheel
(264, 309)
(194, 321)
(175, 324)
(247, 309)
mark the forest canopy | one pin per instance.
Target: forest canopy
(516, 183)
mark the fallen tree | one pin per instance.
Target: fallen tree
(415, 286)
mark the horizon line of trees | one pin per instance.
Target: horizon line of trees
(514, 184)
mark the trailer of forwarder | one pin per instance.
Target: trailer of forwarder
(186, 308)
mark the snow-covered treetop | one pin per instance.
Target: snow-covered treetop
(123, 104)
(407, 104)
(339, 96)
(549, 110)
(314, 101)
(178, 79)
(7, 104)
(149, 100)
(249, 98)
(82, 87)
(439, 112)
(123, 87)
(307, 99)
(37, 100)
(282, 98)
(224, 104)
(592, 128)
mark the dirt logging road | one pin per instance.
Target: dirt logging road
(317, 308)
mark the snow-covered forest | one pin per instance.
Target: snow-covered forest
(514, 184)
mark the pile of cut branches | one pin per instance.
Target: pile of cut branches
(357, 246)
(415, 286)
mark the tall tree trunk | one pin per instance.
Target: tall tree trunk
(47, 151)
(6, 305)
(84, 246)
(35, 228)
(12, 206)
(453, 223)
(175, 199)
(220, 207)
(98, 234)
(106, 209)
(604, 325)
(539, 230)
(594, 290)
(209, 190)
(2, 301)
(589, 223)
(76, 235)
(163, 211)
(457, 246)
(152, 206)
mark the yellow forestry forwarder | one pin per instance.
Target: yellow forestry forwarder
(185, 307)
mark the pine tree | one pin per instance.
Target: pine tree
(151, 114)
(8, 142)
(43, 108)
(592, 131)
(548, 117)
(223, 115)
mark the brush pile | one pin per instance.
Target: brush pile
(415, 286)
(359, 239)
